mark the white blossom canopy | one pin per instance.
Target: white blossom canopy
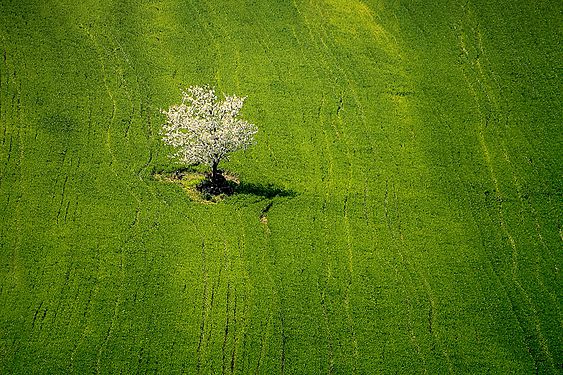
(204, 130)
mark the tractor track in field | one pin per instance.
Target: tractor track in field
(275, 300)
(3, 66)
(266, 47)
(501, 106)
(414, 274)
(124, 84)
(401, 243)
(326, 177)
(328, 180)
(401, 106)
(325, 51)
(117, 302)
(211, 332)
(16, 119)
(214, 302)
(325, 199)
(408, 280)
(243, 326)
(204, 309)
(241, 323)
(396, 228)
(113, 164)
(490, 113)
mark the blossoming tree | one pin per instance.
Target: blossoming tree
(204, 130)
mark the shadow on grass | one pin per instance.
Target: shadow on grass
(268, 191)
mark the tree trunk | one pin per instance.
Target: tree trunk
(215, 172)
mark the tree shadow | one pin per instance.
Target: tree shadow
(267, 191)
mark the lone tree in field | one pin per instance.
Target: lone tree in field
(204, 130)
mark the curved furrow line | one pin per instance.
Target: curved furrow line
(485, 73)
(515, 270)
(95, 289)
(225, 275)
(349, 239)
(439, 116)
(240, 321)
(87, 329)
(8, 157)
(59, 174)
(230, 304)
(428, 290)
(204, 308)
(264, 343)
(115, 313)
(267, 47)
(433, 307)
(62, 200)
(207, 326)
(481, 78)
(407, 281)
(123, 82)
(244, 315)
(327, 179)
(326, 197)
(326, 320)
(64, 288)
(235, 56)
(226, 34)
(114, 161)
(498, 107)
(275, 300)
(322, 105)
(230, 361)
(99, 51)
(18, 204)
(492, 176)
(331, 340)
(413, 271)
(539, 280)
(552, 296)
(2, 106)
(133, 234)
(226, 331)
(353, 90)
(135, 222)
(208, 335)
(235, 334)
(326, 229)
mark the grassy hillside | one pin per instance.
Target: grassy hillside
(401, 212)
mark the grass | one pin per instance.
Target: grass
(400, 213)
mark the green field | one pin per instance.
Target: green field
(400, 213)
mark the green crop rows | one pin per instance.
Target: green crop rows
(400, 213)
